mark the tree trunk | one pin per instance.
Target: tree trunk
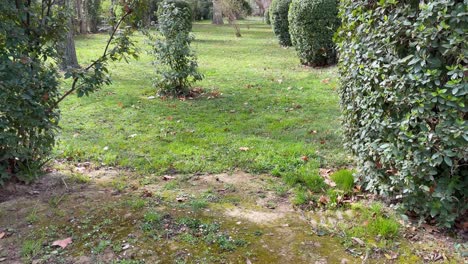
(217, 13)
(81, 16)
(69, 59)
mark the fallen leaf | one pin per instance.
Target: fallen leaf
(244, 148)
(2, 235)
(326, 81)
(358, 241)
(125, 246)
(313, 132)
(62, 243)
(323, 199)
(304, 158)
(247, 261)
(168, 178)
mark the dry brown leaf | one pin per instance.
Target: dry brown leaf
(2, 235)
(168, 178)
(304, 158)
(358, 241)
(62, 243)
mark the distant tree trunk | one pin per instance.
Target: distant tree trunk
(217, 13)
(69, 58)
(81, 16)
(233, 22)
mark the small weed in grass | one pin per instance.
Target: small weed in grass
(374, 222)
(32, 217)
(136, 203)
(30, 248)
(79, 178)
(198, 204)
(172, 185)
(301, 196)
(344, 180)
(281, 190)
(102, 245)
(152, 217)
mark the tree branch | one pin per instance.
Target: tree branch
(103, 56)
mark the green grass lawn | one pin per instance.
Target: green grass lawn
(270, 104)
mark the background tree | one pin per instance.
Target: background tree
(233, 10)
(217, 12)
(67, 46)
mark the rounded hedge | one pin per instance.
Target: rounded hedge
(312, 24)
(404, 97)
(279, 20)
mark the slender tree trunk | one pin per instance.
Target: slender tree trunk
(69, 58)
(81, 16)
(233, 22)
(217, 13)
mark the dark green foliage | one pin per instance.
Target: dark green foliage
(312, 24)
(180, 11)
(29, 85)
(93, 8)
(29, 81)
(404, 94)
(279, 20)
(176, 64)
(201, 9)
(267, 17)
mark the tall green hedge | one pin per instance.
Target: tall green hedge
(267, 16)
(404, 99)
(279, 20)
(312, 24)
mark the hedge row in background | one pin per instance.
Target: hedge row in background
(267, 17)
(312, 24)
(404, 95)
(279, 20)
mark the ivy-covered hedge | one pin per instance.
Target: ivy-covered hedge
(312, 24)
(404, 95)
(267, 16)
(279, 20)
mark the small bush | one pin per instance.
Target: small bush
(312, 24)
(176, 64)
(403, 95)
(267, 17)
(279, 20)
(344, 180)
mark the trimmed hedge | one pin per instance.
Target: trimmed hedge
(267, 16)
(279, 20)
(404, 95)
(312, 24)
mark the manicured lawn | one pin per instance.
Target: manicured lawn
(270, 104)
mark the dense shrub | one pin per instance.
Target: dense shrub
(29, 87)
(404, 95)
(176, 64)
(279, 20)
(29, 81)
(312, 24)
(267, 16)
